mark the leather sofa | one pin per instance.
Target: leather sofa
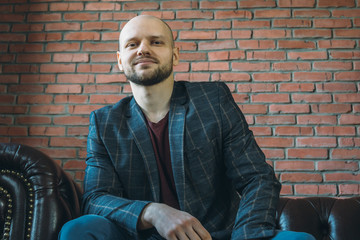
(37, 197)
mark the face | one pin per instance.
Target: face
(147, 55)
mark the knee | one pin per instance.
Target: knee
(85, 227)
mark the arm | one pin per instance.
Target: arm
(252, 177)
(103, 192)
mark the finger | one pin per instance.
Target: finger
(201, 231)
(182, 236)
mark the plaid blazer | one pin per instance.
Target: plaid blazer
(220, 173)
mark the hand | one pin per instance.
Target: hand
(172, 224)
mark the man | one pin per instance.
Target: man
(173, 160)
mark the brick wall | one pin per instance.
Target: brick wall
(293, 67)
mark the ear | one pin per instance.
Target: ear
(119, 60)
(176, 54)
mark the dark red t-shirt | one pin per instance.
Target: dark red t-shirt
(159, 134)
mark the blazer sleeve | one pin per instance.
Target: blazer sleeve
(103, 192)
(252, 177)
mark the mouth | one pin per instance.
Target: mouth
(144, 61)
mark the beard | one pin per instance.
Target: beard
(148, 79)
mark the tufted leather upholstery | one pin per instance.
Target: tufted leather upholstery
(324, 217)
(37, 197)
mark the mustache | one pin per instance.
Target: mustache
(141, 59)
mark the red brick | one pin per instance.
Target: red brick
(293, 131)
(13, 109)
(274, 153)
(346, 13)
(336, 3)
(75, 164)
(347, 33)
(291, 23)
(251, 24)
(103, 57)
(273, 77)
(233, 14)
(249, 66)
(349, 189)
(39, 7)
(197, 35)
(273, 13)
(18, 47)
(192, 77)
(82, 36)
(337, 43)
(83, 109)
(179, 5)
(59, 153)
(342, 177)
(67, 142)
(289, 108)
(233, 34)
(31, 141)
(266, 55)
(104, 78)
(274, 120)
(311, 119)
(9, 17)
(73, 120)
(331, 108)
(312, 33)
(33, 120)
(13, 131)
(77, 131)
(256, 87)
(33, 58)
(349, 97)
(33, 99)
(256, 44)
(226, 44)
(291, 66)
(286, 190)
(218, 5)
(71, 57)
(100, 47)
(48, 109)
(56, 7)
(306, 153)
(44, 37)
(210, 66)
(307, 55)
(349, 142)
(349, 119)
(256, 3)
(25, 89)
(63, 89)
(333, 66)
(294, 165)
(312, 76)
(94, 68)
(37, 78)
(57, 68)
(194, 14)
(316, 142)
(105, 99)
(296, 3)
(311, 13)
(353, 76)
(294, 44)
(301, 177)
(332, 23)
(100, 26)
(336, 87)
(254, 109)
(102, 89)
(271, 33)
(46, 131)
(271, 98)
(337, 165)
(345, 55)
(316, 189)
(226, 55)
(44, 17)
(12, 37)
(71, 99)
(274, 142)
(232, 77)
(62, 47)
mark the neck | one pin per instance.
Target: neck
(154, 100)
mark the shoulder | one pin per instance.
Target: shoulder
(119, 109)
(197, 89)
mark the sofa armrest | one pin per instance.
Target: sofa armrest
(36, 196)
(323, 217)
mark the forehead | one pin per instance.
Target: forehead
(144, 27)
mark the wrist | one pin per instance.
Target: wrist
(145, 219)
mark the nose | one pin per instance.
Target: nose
(143, 49)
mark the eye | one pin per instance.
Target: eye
(131, 45)
(157, 42)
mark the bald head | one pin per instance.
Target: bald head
(145, 22)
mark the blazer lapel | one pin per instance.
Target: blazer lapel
(137, 127)
(177, 114)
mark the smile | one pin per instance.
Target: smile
(145, 61)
